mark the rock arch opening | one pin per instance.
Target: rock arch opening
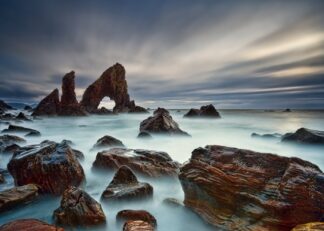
(107, 103)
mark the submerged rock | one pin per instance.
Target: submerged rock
(304, 135)
(147, 162)
(48, 106)
(234, 188)
(108, 141)
(314, 226)
(162, 123)
(126, 186)
(52, 166)
(7, 142)
(22, 116)
(16, 196)
(78, 208)
(208, 111)
(138, 109)
(18, 129)
(11, 148)
(133, 215)
(33, 134)
(266, 136)
(29, 225)
(137, 226)
(28, 108)
(144, 135)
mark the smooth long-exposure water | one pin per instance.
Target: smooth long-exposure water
(233, 129)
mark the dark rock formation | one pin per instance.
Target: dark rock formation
(33, 134)
(149, 163)
(304, 135)
(208, 111)
(138, 226)
(138, 109)
(133, 215)
(78, 208)
(287, 110)
(17, 129)
(11, 148)
(52, 166)
(22, 116)
(126, 186)
(108, 141)
(17, 196)
(266, 136)
(112, 84)
(145, 135)
(234, 188)
(103, 111)
(69, 105)
(28, 108)
(162, 123)
(8, 140)
(4, 106)
(173, 202)
(29, 225)
(48, 106)
(313, 226)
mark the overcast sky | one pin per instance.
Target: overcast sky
(234, 54)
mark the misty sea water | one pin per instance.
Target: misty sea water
(233, 129)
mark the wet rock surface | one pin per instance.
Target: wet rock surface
(161, 123)
(133, 215)
(314, 226)
(29, 225)
(9, 143)
(208, 111)
(173, 202)
(18, 129)
(108, 141)
(126, 186)
(78, 208)
(234, 188)
(17, 196)
(52, 166)
(137, 226)
(146, 162)
(304, 135)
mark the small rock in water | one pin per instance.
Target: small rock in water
(208, 111)
(144, 135)
(304, 135)
(18, 129)
(138, 226)
(78, 208)
(127, 215)
(33, 134)
(126, 186)
(22, 116)
(16, 196)
(108, 141)
(267, 136)
(28, 108)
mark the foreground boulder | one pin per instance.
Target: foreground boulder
(18, 129)
(208, 111)
(137, 226)
(126, 186)
(161, 123)
(52, 166)
(78, 208)
(17, 196)
(304, 135)
(29, 225)
(112, 83)
(133, 215)
(313, 226)
(146, 162)
(48, 106)
(108, 141)
(237, 189)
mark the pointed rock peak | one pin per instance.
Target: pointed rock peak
(124, 175)
(68, 87)
(49, 105)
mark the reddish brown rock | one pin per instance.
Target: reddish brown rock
(78, 208)
(133, 215)
(313, 226)
(108, 141)
(126, 186)
(16, 196)
(147, 162)
(208, 111)
(137, 226)
(48, 106)
(161, 123)
(29, 225)
(52, 166)
(112, 84)
(237, 189)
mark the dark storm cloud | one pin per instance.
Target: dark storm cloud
(248, 54)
